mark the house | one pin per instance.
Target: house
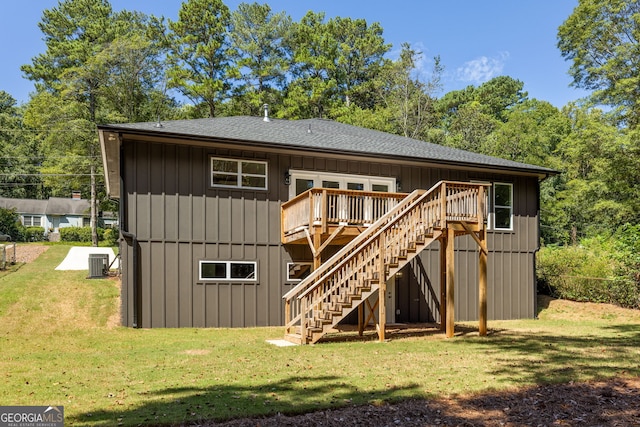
(51, 214)
(223, 217)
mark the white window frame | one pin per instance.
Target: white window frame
(31, 220)
(228, 277)
(239, 175)
(342, 178)
(494, 206)
(289, 264)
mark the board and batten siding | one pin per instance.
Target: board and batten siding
(179, 219)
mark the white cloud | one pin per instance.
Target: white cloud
(481, 69)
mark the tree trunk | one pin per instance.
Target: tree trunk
(94, 214)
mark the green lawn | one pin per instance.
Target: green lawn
(59, 346)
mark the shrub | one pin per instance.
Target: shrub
(33, 234)
(79, 234)
(111, 236)
(10, 223)
(591, 272)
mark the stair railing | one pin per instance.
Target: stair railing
(357, 266)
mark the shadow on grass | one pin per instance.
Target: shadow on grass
(542, 358)
(191, 405)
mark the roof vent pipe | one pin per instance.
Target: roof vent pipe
(266, 113)
(158, 123)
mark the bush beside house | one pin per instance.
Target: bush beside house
(600, 269)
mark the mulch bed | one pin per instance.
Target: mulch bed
(28, 253)
(614, 402)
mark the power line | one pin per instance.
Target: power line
(49, 157)
(48, 174)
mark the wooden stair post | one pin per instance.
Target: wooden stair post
(443, 281)
(382, 290)
(450, 254)
(482, 285)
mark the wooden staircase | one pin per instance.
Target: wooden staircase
(363, 266)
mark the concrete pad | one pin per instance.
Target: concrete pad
(281, 343)
(78, 258)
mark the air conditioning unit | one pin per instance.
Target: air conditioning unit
(98, 265)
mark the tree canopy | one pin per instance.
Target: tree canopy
(103, 66)
(602, 41)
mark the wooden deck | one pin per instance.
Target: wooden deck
(381, 232)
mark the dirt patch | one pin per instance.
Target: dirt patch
(599, 403)
(28, 253)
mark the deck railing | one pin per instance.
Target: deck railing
(325, 207)
(368, 256)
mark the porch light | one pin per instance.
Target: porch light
(398, 186)
(287, 178)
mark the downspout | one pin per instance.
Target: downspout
(134, 244)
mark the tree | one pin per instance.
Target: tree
(73, 79)
(258, 39)
(74, 32)
(360, 58)
(334, 64)
(602, 41)
(19, 153)
(199, 54)
(598, 191)
(469, 116)
(409, 100)
(531, 133)
(130, 70)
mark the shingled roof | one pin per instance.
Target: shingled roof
(321, 135)
(52, 206)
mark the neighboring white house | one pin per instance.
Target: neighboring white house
(52, 214)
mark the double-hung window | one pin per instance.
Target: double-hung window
(502, 206)
(32, 220)
(232, 173)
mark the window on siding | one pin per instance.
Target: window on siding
(297, 271)
(228, 270)
(234, 173)
(502, 206)
(32, 221)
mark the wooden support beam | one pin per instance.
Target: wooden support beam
(482, 243)
(482, 286)
(337, 232)
(310, 241)
(450, 268)
(360, 319)
(317, 255)
(372, 312)
(443, 281)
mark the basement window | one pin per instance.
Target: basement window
(228, 271)
(297, 271)
(233, 173)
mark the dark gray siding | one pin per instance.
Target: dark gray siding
(179, 220)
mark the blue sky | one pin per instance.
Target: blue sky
(476, 40)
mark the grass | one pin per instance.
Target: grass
(59, 345)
